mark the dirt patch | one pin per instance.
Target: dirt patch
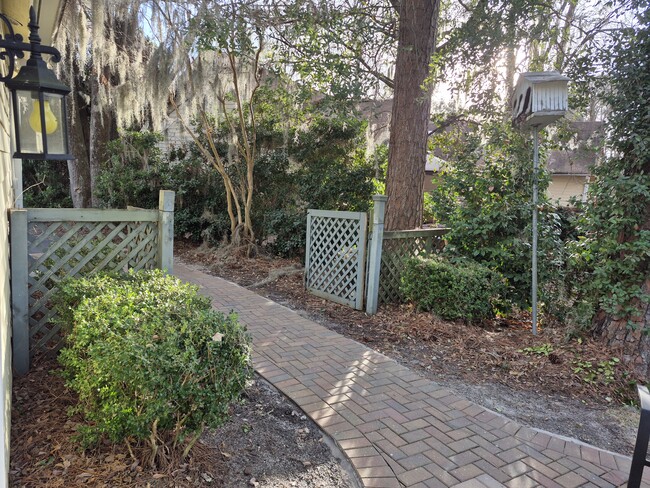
(267, 443)
(573, 388)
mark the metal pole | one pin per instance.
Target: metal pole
(535, 199)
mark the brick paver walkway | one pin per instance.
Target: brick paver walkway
(397, 428)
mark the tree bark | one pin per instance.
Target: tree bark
(78, 168)
(410, 114)
(100, 131)
(633, 343)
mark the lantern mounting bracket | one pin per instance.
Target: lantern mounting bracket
(13, 46)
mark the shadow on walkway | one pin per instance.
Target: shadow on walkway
(397, 428)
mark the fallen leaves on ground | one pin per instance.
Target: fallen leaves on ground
(45, 454)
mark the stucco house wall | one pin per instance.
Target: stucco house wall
(562, 188)
(571, 168)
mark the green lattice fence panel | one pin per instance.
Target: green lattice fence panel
(96, 241)
(335, 256)
(399, 246)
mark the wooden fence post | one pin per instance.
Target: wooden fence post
(166, 231)
(19, 291)
(374, 261)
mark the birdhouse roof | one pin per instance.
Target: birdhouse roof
(542, 77)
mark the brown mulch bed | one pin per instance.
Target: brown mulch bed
(44, 452)
(266, 442)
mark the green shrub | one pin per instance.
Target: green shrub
(483, 194)
(458, 289)
(132, 172)
(288, 229)
(149, 358)
(46, 184)
(320, 165)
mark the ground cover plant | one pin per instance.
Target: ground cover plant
(152, 363)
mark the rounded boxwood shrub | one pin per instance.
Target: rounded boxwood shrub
(452, 289)
(149, 358)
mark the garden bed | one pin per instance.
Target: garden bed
(266, 443)
(574, 388)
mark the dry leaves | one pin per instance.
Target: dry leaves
(44, 454)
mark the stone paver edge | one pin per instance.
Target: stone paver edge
(337, 451)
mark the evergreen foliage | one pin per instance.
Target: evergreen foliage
(46, 184)
(317, 162)
(132, 172)
(612, 254)
(483, 194)
(456, 289)
(149, 358)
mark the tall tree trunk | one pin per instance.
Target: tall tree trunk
(100, 131)
(633, 344)
(410, 114)
(78, 168)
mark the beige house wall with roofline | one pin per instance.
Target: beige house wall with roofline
(562, 188)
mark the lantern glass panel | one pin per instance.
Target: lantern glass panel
(55, 124)
(32, 107)
(28, 140)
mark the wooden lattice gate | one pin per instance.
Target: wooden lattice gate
(335, 256)
(48, 245)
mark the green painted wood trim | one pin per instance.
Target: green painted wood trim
(166, 231)
(375, 243)
(19, 292)
(90, 215)
(361, 260)
(335, 214)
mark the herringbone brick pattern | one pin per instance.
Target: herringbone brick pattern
(397, 428)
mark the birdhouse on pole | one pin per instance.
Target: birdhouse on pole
(539, 99)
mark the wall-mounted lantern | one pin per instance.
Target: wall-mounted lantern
(38, 97)
(539, 99)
